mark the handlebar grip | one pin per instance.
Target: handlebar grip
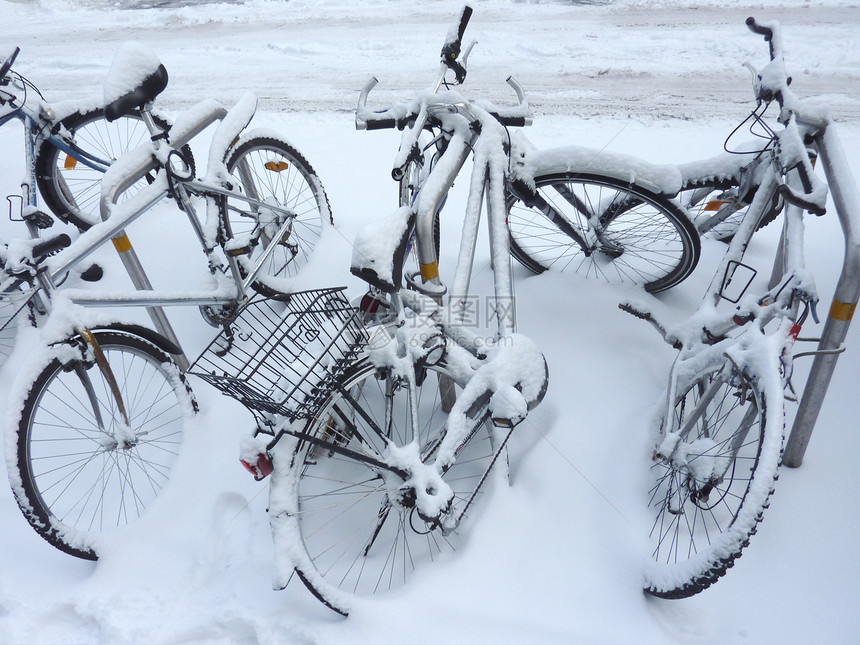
(465, 15)
(807, 199)
(380, 124)
(800, 201)
(46, 248)
(512, 121)
(761, 30)
(7, 65)
(451, 48)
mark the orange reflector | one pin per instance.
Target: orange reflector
(242, 250)
(842, 310)
(122, 243)
(429, 271)
(715, 205)
(71, 163)
(277, 166)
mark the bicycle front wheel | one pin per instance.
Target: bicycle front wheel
(80, 467)
(71, 189)
(269, 171)
(360, 535)
(710, 492)
(603, 228)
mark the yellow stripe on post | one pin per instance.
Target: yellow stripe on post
(122, 243)
(429, 271)
(843, 311)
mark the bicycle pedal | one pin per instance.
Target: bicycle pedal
(39, 219)
(235, 252)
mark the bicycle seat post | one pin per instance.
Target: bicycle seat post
(155, 131)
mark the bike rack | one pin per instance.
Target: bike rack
(210, 113)
(846, 197)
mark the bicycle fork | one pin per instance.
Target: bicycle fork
(123, 436)
(698, 459)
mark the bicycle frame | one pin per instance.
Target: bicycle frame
(116, 218)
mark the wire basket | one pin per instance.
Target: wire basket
(283, 356)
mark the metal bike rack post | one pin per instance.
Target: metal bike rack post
(845, 195)
(130, 260)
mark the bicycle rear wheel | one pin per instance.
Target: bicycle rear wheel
(271, 171)
(709, 495)
(79, 468)
(603, 228)
(70, 188)
(354, 538)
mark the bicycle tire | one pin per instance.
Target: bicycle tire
(362, 543)
(72, 480)
(652, 241)
(274, 170)
(696, 536)
(72, 190)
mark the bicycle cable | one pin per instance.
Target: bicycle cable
(755, 118)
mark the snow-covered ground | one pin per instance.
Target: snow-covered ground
(556, 557)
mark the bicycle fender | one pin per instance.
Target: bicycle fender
(661, 179)
(146, 333)
(237, 119)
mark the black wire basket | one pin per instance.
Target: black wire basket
(283, 356)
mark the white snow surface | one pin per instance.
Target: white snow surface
(556, 557)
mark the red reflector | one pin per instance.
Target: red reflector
(369, 304)
(261, 469)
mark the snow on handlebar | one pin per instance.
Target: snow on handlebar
(771, 84)
(7, 65)
(404, 113)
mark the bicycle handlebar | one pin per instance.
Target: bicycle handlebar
(771, 84)
(400, 116)
(29, 266)
(7, 65)
(768, 33)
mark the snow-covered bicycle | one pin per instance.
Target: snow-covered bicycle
(719, 435)
(67, 149)
(99, 411)
(622, 219)
(380, 425)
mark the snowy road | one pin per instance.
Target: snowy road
(648, 60)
